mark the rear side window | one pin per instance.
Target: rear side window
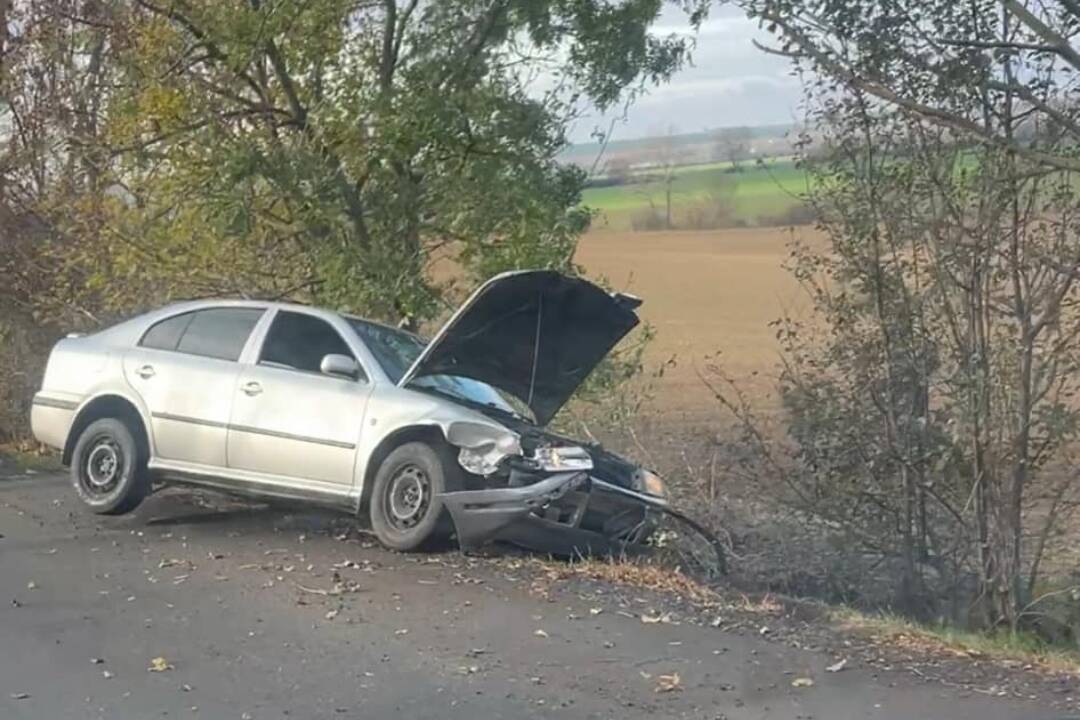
(300, 342)
(217, 332)
(166, 334)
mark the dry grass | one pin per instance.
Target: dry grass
(644, 575)
(639, 575)
(891, 633)
(1012, 649)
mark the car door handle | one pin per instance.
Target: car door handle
(252, 388)
(145, 372)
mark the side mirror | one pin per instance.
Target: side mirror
(339, 366)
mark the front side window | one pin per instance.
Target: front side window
(298, 341)
(216, 332)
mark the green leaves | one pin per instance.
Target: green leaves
(332, 150)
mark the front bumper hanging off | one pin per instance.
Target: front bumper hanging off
(515, 515)
(481, 515)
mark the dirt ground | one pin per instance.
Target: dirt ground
(705, 292)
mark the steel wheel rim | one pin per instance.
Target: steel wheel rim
(104, 466)
(408, 497)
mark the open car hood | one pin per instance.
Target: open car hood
(534, 334)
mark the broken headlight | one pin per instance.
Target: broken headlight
(562, 459)
(483, 447)
(648, 482)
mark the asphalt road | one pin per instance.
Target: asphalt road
(231, 596)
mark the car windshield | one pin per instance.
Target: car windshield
(396, 351)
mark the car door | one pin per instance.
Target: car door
(288, 418)
(185, 369)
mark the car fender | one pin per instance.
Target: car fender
(113, 383)
(394, 413)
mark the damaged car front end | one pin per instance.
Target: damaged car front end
(535, 336)
(543, 492)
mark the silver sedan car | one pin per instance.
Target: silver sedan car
(292, 402)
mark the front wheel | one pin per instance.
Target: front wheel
(108, 469)
(406, 511)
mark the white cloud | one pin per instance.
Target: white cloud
(728, 82)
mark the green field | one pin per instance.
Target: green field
(756, 196)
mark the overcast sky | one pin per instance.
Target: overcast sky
(729, 83)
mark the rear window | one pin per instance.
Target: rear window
(217, 332)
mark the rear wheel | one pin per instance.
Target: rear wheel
(406, 512)
(108, 468)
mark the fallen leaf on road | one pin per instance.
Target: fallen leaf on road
(837, 666)
(668, 683)
(651, 619)
(802, 682)
(159, 664)
(540, 633)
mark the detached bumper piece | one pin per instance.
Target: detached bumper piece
(571, 515)
(481, 515)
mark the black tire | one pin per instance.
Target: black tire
(108, 468)
(404, 525)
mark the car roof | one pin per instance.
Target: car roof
(189, 305)
(280, 305)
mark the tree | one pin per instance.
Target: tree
(733, 144)
(942, 61)
(953, 218)
(667, 157)
(328, 148)
(618, 170)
